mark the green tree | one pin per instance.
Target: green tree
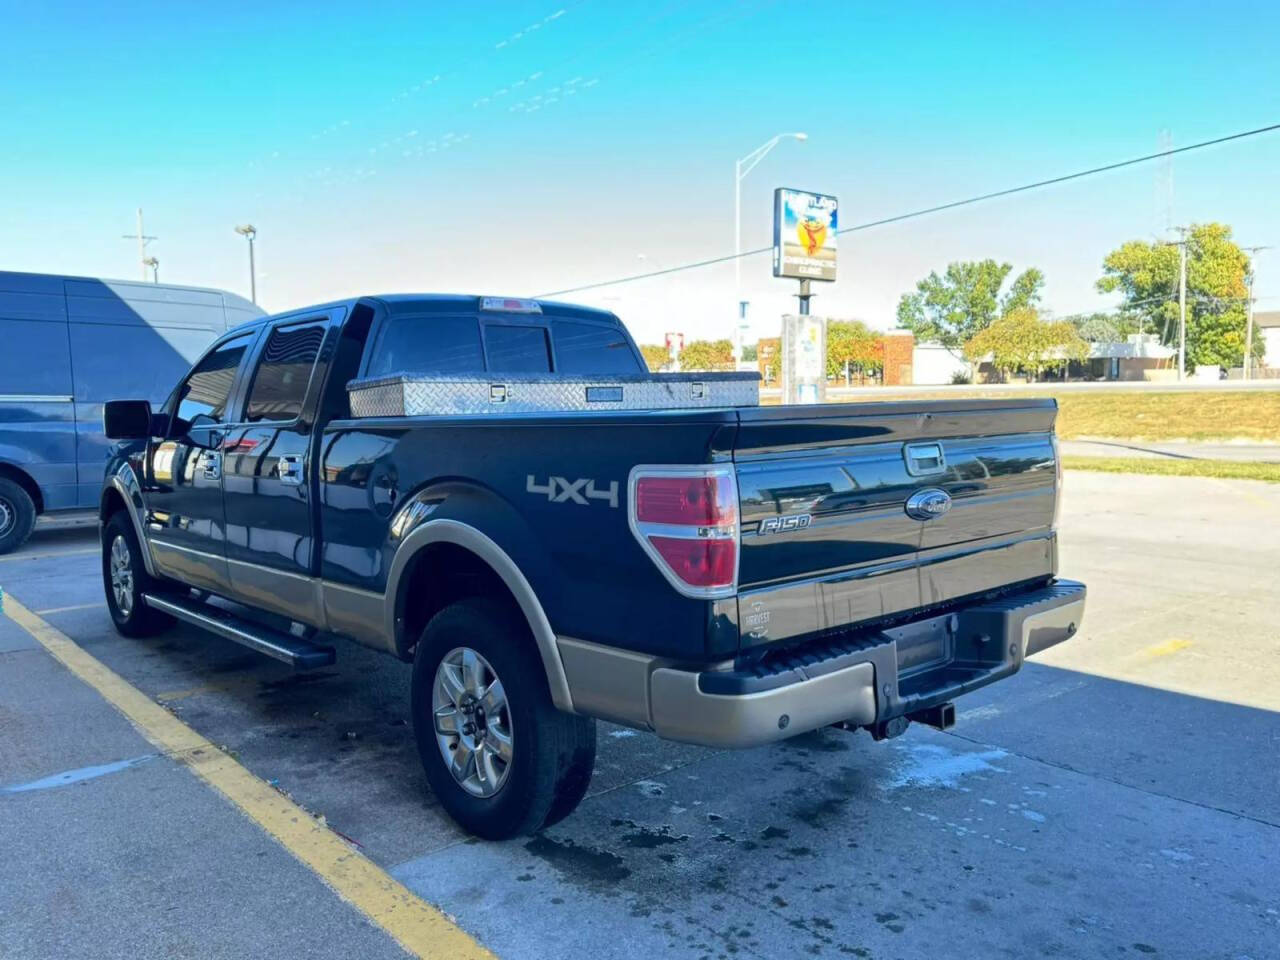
(1023, 292)
(749, 352)
(655, 356)
(1147, 275)
(853, 341)
(1021, 340)
(953, 308)
(707, 355)
(1104, 327)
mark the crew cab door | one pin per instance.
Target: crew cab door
(267, 481)
(184, 522)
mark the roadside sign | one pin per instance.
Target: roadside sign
(804, 234)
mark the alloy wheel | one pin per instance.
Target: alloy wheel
(121, 568)
(472, 722)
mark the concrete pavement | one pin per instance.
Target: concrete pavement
(1118, 797)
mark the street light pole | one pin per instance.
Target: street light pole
(249, 231)
(154, 264)
(741, 168)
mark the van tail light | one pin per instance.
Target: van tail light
(686, 519)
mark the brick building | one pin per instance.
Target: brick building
(898, 348)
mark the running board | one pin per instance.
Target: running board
(298, 652)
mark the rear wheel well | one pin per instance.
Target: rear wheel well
(23, 479)
(439, 575)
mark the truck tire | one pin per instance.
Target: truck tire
(17, 515)
(125, 580)
(500, 758)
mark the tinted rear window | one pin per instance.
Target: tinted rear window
(428, 345)
(517, 349)
(592, 348)
(280, 385)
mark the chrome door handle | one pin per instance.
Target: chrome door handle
(291, 469)
(212, 465)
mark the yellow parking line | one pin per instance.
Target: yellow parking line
(48, 556)
(416, 925)
(1164, 649)
(73, 607)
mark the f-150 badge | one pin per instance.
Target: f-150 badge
(797, 521)
(583, 490)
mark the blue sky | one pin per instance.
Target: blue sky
(541, 145)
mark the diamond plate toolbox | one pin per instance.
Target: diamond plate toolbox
(416, 395)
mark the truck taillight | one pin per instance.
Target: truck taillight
(686, 518)
(702, 500)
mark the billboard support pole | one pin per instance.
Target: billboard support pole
(804, 296)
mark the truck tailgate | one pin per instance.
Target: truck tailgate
(827, 541)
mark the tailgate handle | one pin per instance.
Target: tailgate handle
(923, 459)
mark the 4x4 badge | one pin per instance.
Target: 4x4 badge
(582, 490)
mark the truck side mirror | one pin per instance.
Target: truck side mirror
(126, 419)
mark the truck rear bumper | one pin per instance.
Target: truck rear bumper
(862, 679)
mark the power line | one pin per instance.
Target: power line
(1092, 171)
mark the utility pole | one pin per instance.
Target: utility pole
(1182, 301)
(249, 231)
(154, 264)
(1182, 308)
(1248, 306)
(143, 240)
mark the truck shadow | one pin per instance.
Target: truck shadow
(1062, 788)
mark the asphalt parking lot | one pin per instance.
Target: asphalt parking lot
(1119, 797)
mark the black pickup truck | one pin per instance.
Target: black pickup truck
(497, 491)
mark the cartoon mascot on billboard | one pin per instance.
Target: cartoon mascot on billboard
(811, 228)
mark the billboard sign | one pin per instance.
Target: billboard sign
(804, 234)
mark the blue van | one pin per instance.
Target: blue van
(66, 345)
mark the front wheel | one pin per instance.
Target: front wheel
(125, 580)
(502, 760)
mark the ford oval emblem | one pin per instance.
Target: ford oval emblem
(928, 503)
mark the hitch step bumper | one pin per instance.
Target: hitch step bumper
(880, 680)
